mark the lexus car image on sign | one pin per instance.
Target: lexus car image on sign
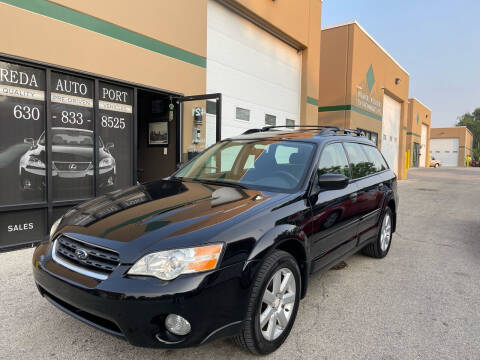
(72, 151)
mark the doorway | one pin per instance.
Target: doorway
(415, 154)
(157, 136)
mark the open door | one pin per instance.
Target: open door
(201, 120)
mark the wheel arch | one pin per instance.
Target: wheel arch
(297, 250)
(391, 204)
(288, 238)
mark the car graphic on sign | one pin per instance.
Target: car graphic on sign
(72, 158)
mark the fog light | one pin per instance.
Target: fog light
(177, 324)
(27, 184)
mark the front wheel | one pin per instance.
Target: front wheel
(273, 304)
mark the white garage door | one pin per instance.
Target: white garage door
(392, 111)
(445, 150)
(423, 145)
(258, 75)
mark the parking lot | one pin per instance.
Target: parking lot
(421, 302)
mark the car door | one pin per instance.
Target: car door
(370, 189)
(334, 216)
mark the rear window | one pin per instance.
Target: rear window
(375, 157)
(359, 162)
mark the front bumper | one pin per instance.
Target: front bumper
(36, 177)
(135, 308)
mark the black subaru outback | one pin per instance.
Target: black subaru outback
(223, 247)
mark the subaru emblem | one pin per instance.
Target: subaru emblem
(81, 254)
(72, 166)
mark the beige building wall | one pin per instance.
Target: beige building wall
(418, 115)
(347, 54)
(104, 39)
(158, 44)
(462, 133)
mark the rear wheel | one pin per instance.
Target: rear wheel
(436, 165)
(379, 248)
(273, 304)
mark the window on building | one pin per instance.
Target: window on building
(290, 123)
(242, 114)
(270, 120)
(212, 107)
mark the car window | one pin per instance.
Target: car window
(374, 155)
(333, 161)
(359, 162)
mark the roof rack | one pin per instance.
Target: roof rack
(324, 129)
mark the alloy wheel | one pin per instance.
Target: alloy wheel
(386, 232)
(277, 304)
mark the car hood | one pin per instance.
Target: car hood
(164, 214)
(72, 153)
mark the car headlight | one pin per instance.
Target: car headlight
(108, 161)
(167, 265)
(54, 227)
(35, 162)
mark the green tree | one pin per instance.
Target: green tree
(472, 122)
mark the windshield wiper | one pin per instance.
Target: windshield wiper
(221, 183)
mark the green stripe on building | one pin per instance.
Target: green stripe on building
(312, 101)
(404, 127)
(414, 134)
(99, 26)
(349, 108)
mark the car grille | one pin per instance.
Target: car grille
(99, 260)
(71, 166)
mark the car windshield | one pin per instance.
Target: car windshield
(275, 165)
(70, 137)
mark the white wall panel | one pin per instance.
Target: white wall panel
(392, 111)
(252, 69)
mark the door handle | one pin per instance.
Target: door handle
(353, 197)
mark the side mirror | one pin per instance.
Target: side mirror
(29, 141)
(109, 146)
(333, 181)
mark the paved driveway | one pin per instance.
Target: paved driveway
(421, 302)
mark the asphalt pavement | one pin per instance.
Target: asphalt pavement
(421, 302)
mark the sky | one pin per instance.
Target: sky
(436, 41)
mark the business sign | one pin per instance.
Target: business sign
(79, 121)
(72, 137)
(115, 118)
(369, 98)
(21, 227)
(22, 126)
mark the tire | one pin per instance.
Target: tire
(436, 165)
(252, 336)
(377, 249)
